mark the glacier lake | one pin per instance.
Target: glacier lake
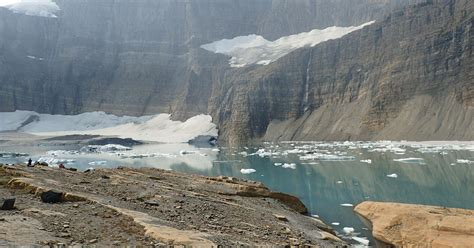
(329, 177)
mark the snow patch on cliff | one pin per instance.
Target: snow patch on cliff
(254, 49)
(42, 8)
(159, 128)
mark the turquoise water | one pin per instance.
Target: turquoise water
(322, 175)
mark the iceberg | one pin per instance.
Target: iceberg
(247, 171)
(392, 175)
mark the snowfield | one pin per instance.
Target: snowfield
(158, 128)
(254, 49)
(42, 8)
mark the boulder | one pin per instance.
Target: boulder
(8, 204)
(408, 225)
(52, 196)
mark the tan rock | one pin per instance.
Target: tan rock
(408, 225)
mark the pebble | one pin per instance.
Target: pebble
(93, 241)
(64, 235)
(280, 217)
(66, 226)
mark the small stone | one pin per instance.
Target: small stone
(116, 243)
(152, 203)
(178, 207)
(2, 219)
(93, 241)
(75, 205)
(64, 235)
(280, 217)
(66, 226)
(8, 204)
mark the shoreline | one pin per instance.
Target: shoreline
(161, 208)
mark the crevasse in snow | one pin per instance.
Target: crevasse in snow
(254, 49)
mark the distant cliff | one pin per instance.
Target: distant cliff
(409, 76)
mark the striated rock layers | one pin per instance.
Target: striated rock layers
(408, 76)
(407, 225)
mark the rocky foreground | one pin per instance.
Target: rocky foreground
(150, 207)
(408, 225)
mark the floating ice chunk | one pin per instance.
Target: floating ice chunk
(245, 154)
(368, 161)
(410, 160)
(362, 240)
(34, 58)
(247, 171)
(315, 216)
(339, 182)
(278, 164)
(104, 148)
(347, 205)
(289, 165)
(335, 223)
(464, 161)
(98, 163)
(394, 175)
(348, 230)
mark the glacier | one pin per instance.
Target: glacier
(155, 128)
(42, 8)
(255, 49)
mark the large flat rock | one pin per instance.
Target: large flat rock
(408, 225)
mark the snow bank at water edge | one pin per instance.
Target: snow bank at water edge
(158, 128)
(42, 8)
(254, 49)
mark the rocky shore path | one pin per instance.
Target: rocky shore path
(150, 207)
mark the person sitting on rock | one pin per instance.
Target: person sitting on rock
(29, 162)
(61, 166)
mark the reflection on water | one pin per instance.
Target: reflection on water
(326, 177)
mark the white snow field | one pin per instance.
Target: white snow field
(254, 49)
(158, 128)
(42, 8)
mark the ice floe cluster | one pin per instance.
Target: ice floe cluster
(41, 8)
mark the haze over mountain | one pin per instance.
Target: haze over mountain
(406, 76)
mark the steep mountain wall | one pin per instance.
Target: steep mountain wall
(143, 57)
(409, 76)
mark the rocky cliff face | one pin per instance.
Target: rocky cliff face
(137, 58)
(408, 76)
